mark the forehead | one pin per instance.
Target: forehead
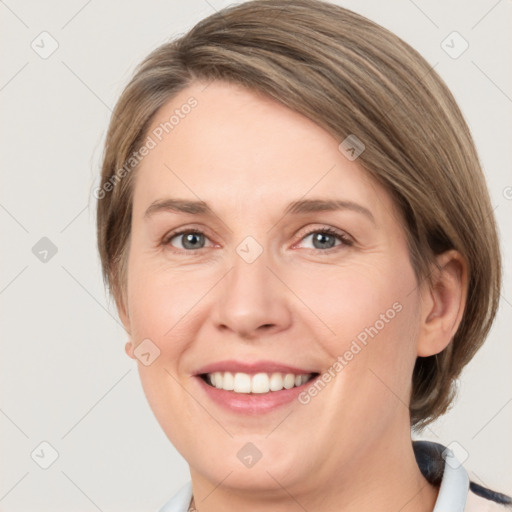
(230, 146)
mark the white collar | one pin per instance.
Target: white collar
(452, 496)
(180, 501)
(453, 492)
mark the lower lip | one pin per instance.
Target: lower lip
(253, 403)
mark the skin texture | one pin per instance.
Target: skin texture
(349, 448)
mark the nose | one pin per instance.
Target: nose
(251, 300)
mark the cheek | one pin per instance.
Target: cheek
(362, 301)
(374, 312)
(161, 301)
(161, 308)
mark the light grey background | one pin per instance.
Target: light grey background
(64, 376)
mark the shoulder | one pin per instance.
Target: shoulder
(442, 469)
(476, 503)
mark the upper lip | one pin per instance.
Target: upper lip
(251, 368)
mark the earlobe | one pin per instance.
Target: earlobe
(443, 303)
(128, 348)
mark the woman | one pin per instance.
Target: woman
(295, 227)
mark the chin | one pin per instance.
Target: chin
(253, 465)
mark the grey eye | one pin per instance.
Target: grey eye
(323, 240)
(190, 240)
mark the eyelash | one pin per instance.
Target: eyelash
(345, 240)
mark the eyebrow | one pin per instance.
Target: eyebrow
(294, 208)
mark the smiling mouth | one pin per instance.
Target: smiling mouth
(258, 383)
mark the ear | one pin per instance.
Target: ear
(125, 319)
(128, 348)
(122, 310)
(443, 301)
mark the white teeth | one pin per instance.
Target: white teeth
(257, 383)
(260, 383)
(289, 381)
(242, 383)
(218, 378)
(276, 382)
(229, 382)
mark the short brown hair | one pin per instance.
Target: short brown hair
(350, 76)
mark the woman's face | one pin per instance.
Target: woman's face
(262, 290)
